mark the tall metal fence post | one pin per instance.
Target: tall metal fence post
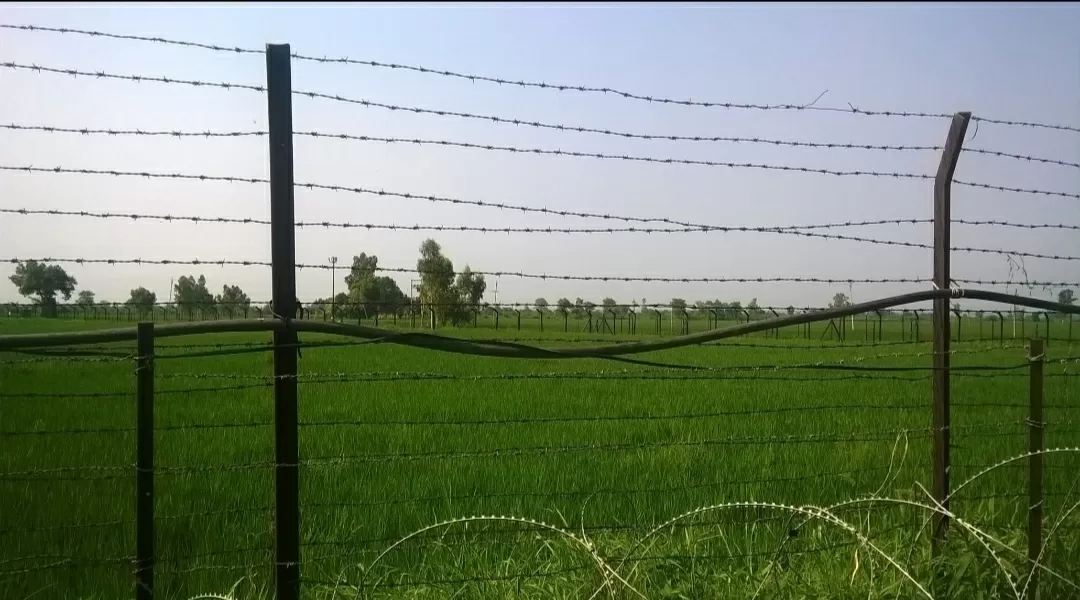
(942, 329)
(144, 463)
(1035, 463)
(283, 253)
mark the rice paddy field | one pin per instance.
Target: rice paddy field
(595, 457)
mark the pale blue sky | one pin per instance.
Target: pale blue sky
(1013, 62)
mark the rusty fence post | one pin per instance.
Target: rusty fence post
(283, 253)
(942, 330)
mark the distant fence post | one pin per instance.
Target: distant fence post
(942, 330)
(144, 463)
(283, 253)
(1035, 463)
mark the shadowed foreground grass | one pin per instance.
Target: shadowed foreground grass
(396, 439)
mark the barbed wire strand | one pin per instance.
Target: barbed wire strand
(475, 422)
(992, 430)
(1022, 157)
(136, 78)
(606, 491)
(262, 263)
(540, 276)
(617, 377)
(416, 141)
(795, 230)
(433, 199)
(537, 124)
(384, 193)
(541, 229)
(473, 78)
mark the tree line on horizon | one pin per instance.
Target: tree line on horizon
(448, 296)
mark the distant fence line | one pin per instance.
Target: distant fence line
(620, 319)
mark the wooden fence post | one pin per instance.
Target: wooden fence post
(942, 333)
(144, 463)
(1035, 463)
(283, 253)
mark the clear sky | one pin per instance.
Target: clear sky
(1001, 61)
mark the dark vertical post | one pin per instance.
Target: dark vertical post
(144, 464)
(1035, 463)
(283, 252)
(942, 333)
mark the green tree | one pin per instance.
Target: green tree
(85, 298)
(609, 304)
(233, 299)
(840, 300)
(579, 308)
(436, 281)
(790, 310)
(678, 306)
(541, 305)
(363, 269)
(1067, 297)
(42, 283)
(191, 294)
(564, 306)
(367, 291)
(388, 296)
(470, 287)
(755, 310)
(142, 300)
(344, 306)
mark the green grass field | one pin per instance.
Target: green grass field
(394, 439)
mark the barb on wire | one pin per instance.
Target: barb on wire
(417, 141)
(796, 230)
(129, 430)
(264, 510)
(473, 78)
(611, 491)
(1015, 225)
(69, 359)
(136, 78)
(159, 40)
(870, 436)
(605, 419)
(1037, 159)
(128, 393)
(449, 200)
(1002, 188)
(147, 174)
(541, 276)
(68, 526)
(258, 263)
(497, 229)
(1028, 124)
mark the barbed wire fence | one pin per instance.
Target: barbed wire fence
(403, 478)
